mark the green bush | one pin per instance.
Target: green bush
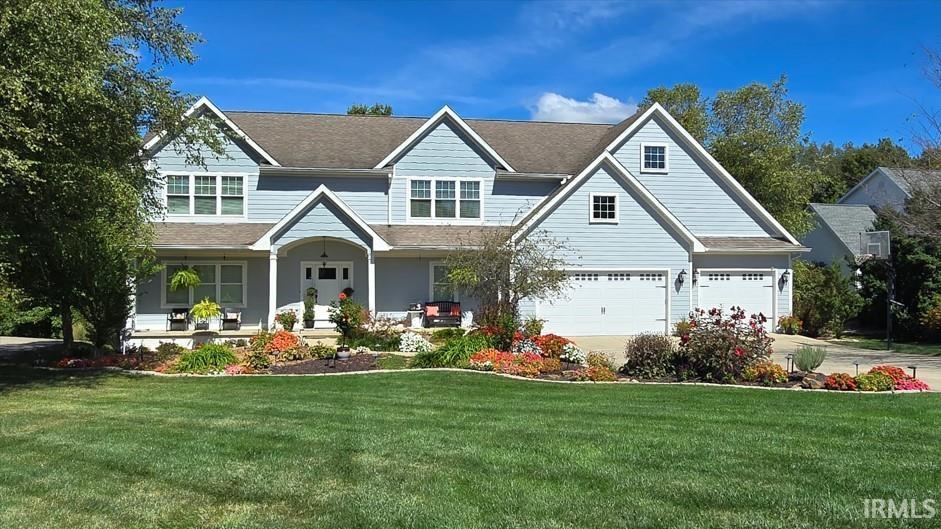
(319, 350)
(682, 327)
(168, 350)
(258, 360)
(809, 358)
(445, 334)
(532, 326)
(208, 358)
(649, 356)
(875, 381)
(456, 352)
(300, 352)
(824, 298)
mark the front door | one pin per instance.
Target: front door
(328, 278)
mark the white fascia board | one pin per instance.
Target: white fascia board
(632, 181)
(264, 242)
(696, 146)
(437, 118)
(204, 102)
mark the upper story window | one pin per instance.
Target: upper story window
(654, 158)
(603, 208)
(438, 198)
(205, 194)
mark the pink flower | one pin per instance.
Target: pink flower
(342, 296)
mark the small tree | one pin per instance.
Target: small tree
(378, 109)
(824, 298)
(500, 272)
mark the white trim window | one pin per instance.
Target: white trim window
(445, 199)
(204, 195)
(440, 287)
(225, 283)
(603, 208)
(654, 158)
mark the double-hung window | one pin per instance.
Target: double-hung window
(444, 199)
(205, 194)
(654, 158)
(223, 283)
(442, 289)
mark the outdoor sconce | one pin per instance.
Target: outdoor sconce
(695, 276)
(681, 277)
(785, 276)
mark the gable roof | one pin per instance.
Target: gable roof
(205, 105)
(905, 179)
(264, 241)
(540, 212)
(846, 221)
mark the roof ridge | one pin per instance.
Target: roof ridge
(342, 115)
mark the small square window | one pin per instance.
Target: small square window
(654, 158)
(604, 208)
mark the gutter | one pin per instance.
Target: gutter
(323, 171)
(523, 177)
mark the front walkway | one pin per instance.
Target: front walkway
(839, 358)
(11, 346)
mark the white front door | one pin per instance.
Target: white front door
(329, 279)
(753, 290)
(609, 303)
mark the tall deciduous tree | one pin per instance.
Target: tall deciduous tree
(843, 167)
(756, 135)
(79, 81)
(378, 109)
(685, 103)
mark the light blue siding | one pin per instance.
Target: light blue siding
(151, 317)
(289, 271)
(780, 263)
(272, 197)
(444, 152)
(322, 219)
(236, 159)
(639, 240)
(401, 281)
(880, 190)
(691, 191)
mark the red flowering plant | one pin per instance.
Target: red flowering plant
(282, 341)
(347, 315)
(900, 379)
(718, 347)
(840, 382)
(552, 345)
(286, 319)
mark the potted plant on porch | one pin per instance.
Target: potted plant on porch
(347, 315)
(287, 319)
(310, 299)
(204, 311)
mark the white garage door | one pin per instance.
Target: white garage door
(751, 290)
(608, 303)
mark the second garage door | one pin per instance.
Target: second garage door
(609, 303)
(753, 290)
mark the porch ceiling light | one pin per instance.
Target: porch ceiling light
(324, 255)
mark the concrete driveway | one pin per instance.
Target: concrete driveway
(839, 358)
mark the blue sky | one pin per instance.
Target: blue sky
(857, 66)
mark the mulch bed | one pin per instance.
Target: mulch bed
(362, 362)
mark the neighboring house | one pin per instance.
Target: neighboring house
(655, 226)
(836, 234)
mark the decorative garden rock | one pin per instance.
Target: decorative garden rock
(814, 381)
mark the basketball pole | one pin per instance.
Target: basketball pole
(889, 297)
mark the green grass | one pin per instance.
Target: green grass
(454, 450)
(929, 349)
(391, 361)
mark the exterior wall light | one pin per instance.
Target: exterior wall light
(681, 277)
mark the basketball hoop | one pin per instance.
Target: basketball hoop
(873, 245)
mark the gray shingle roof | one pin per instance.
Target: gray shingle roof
(412, 236)
(226, 234)
(908, 178)
(846, 221)
(361, 142)
(747, 243)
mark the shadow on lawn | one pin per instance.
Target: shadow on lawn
(15, 378)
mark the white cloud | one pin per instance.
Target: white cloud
(598, 109)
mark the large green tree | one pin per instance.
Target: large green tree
(685, 103)
(843, 167)
(756, 134)
(79, 81)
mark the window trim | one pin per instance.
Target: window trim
(457, 219)
(431, 283)
(591, 208)
(666, 157)
(218, 264)
(192, 216)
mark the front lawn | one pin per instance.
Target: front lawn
(445, 449)
(929, 349)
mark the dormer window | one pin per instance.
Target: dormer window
(654, 158)
(603, 208)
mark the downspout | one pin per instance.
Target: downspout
(389, 197)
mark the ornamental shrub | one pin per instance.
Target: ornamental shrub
(824, 298)
(719, 346)
(281, 342)
(765, 373)
(260, 341)
(499, 323)
(208, 358)
(258, 359)
(895, 373)
(875, 382)
(649, 356)
(596, 359)
(552, 345)
(167, 350)
(682, 327)
(595, 374)
(490, 360)
(526, 346)
(298, 352)
(572, 354)
(526, 365)
(454, 353)
(807, 359)
(911, 384)
(532, 327)
(550, 365)
(840, 382)
(410, 342)
(790, 325)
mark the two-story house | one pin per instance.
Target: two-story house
(654, 225)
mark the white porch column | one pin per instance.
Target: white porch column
(272, 286)
(371, 267)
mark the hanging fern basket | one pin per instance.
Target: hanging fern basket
(184, 278)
